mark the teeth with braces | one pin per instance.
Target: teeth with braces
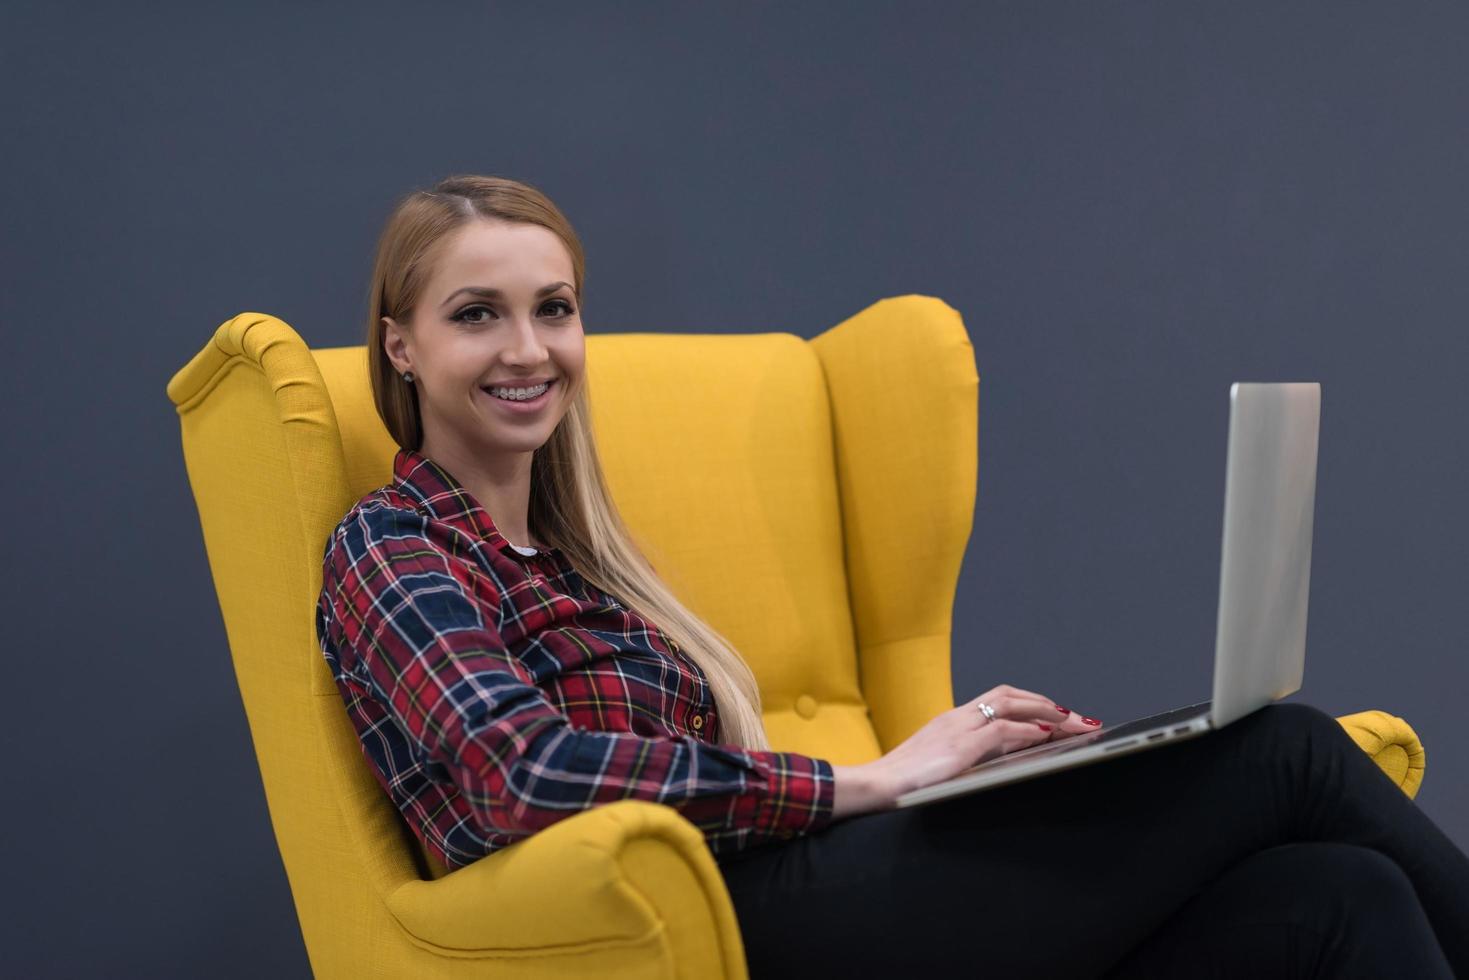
(519, 394)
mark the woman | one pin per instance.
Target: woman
(509, 658)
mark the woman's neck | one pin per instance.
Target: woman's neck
(501, 485)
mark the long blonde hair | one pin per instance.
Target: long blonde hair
(571, 507)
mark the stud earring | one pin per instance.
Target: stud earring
(408, 376)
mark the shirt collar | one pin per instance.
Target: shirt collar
(446, 499)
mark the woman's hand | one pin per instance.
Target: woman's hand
(960, 739)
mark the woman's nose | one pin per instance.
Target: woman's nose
(524, 345)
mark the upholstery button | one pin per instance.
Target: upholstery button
(806, 706)
(698, 721)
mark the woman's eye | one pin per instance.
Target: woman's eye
(464, 315)
(470, 314)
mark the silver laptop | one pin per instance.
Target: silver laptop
(1264, 582)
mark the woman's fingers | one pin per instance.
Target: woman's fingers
(1015, 703)
(1006, 735)
(1018, 703)
(1032, 711)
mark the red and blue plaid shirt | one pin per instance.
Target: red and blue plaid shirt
(496, 693)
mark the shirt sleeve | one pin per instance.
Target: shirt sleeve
(412, 620)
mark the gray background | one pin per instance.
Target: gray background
(1132, 205)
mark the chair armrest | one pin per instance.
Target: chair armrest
(1392, 744)
(625, 874)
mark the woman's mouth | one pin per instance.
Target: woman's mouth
(521, 400)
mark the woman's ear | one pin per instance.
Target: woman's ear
(395, 345)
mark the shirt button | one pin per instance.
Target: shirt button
(698, 721)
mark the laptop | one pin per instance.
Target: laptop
(1264, 582)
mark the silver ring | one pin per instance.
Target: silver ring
(988, 711)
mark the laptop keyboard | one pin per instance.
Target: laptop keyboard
(1167, 718)
(1104, 734)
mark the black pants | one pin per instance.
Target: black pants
(1274, 847)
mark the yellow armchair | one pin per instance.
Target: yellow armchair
(758, 470)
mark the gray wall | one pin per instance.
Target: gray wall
(1132, 204)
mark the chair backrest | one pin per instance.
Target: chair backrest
(811, 500)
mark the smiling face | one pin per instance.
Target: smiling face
(499, 310)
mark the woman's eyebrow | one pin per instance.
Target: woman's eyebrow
(489, 293)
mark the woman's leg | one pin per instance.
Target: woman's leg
(1067, 874)
(1296, 911)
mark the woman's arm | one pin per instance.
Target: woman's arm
(859, 789)
(415, 627)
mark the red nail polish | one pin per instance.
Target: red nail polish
(1044, 727)
(1066, 710)
(1091, 721)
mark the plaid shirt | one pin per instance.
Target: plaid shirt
(495, 694)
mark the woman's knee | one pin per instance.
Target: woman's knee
(1296, 722)
(1360, 880)
(1361, 908)
(1308, 908)
(1299, 716)
(1292, 881)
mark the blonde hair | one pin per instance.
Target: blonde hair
(571, 507)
